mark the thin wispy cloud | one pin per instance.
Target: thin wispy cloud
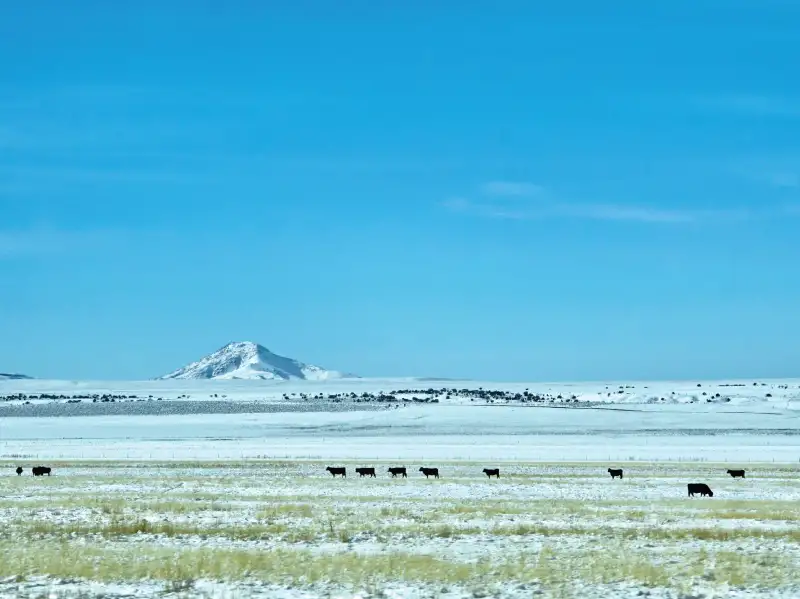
(45, 241)
(31, 180)
(465, 206)
(103, 118)
(757, 105)
(95, 175)
(554, 209)
(512, 188)
(613, 212)
(780, 172)
(53, 135)
(602, 212)
(792, 209)
(16, 96)
(783, 180)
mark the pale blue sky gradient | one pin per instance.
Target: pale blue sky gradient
(521, 192)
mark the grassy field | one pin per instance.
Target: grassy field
(559, 529)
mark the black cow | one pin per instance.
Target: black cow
(490, 472)
(615, 473)
(430, 472)
(366, 472)
(19, 470)
(335, 471)
(736, 473)
(41, 470)
(395, 471)
(701, 488)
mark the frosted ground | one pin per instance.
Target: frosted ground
(239, 504)
(749, 421)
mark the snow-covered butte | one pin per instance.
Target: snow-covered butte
(251, 361)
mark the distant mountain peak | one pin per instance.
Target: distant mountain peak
(249, 360)
(14, 377)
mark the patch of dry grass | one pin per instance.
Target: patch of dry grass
(112, 525)
(300, 567)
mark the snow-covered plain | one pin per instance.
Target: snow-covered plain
(239, 504)
(783, 392)
(744, 421)
(681, 432)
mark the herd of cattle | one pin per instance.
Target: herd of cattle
(401, 471)
(36, 470)
(694, 488)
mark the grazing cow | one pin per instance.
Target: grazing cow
(366, 472)
(615, 473)
(701, 488)
(335, 471)
(430, 472)
(19, 470)
(736, 473)
(395, 471)
(41, 470)
(490, 472)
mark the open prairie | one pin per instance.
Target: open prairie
(239, 504)
(287, 528)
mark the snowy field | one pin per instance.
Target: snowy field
(646, 432)
(751, 391)
(744, 421)
(287, 529)
(187, 503)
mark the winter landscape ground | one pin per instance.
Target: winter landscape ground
(219, 489)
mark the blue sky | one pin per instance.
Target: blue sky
(521, 192)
